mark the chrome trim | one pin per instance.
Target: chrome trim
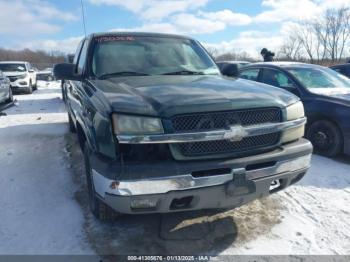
(235, 133)
(163, 185)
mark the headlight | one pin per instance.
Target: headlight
(20, 76)
(136, 125)
(294, 111)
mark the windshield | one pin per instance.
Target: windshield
(150, 56)
(320, 78)
(12, 67)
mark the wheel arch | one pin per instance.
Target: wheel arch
(317, 117)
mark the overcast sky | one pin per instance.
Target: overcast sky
(226, 24)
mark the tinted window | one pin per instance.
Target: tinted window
(250, 74)
(276, 78)
(150, 55)
(13, 67)
(344, 70)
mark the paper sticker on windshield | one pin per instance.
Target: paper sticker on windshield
(21, 68)
(114, 38)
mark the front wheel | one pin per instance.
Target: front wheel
(10, 99)
(326, 138)
(30, 88)
(100, 210)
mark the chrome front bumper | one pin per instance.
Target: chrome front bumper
(163, 185)
(235, 133)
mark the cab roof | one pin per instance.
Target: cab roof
(149, 34)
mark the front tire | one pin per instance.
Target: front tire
(30, 88)
(100, 210)
(35, 86)
(326, 138)
(10, 99)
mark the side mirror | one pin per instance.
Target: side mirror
(66, 72)
(31, 71)
(227, 69)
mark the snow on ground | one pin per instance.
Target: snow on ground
(44, 203)
(38, 212)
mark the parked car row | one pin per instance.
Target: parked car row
(20, 76)
(324, 93)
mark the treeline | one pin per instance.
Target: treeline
(40, 59)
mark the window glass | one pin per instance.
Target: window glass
(150, 55)
(77, 53)
(276, 78)
(82, 58)
(346, 71)
(250, 74)
(12, 67)
(320, 77)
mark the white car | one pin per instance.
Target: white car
(21, 74)
(5, 89)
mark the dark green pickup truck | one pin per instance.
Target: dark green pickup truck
(163, 131)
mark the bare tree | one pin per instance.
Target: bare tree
(291, 48)
(325, 38)
(337, 25)
(39, 58)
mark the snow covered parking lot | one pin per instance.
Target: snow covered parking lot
(44, 208)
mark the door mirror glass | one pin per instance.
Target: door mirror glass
(66, 72)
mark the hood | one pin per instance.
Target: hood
(170, 95)
(337, 94)
(14, 73)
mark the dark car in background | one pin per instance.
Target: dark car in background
(343, 69)
(324, 93)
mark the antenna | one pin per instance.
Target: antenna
(83, 14)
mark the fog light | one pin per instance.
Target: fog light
(144, 203)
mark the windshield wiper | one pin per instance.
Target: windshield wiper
(122, 73)
(184, 72)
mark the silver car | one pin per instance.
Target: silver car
(5, 89)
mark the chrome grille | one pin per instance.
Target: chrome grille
(228, 147)
(222, 120)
